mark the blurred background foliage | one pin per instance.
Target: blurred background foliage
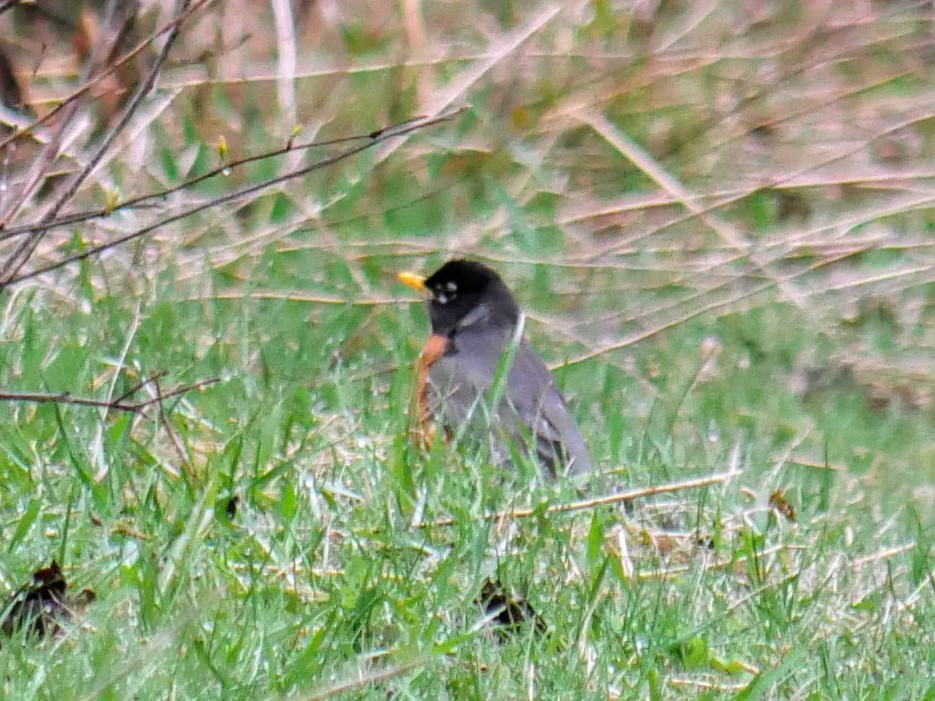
(743, 185)
(718, 215)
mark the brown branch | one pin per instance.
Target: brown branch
(119, 404)
(642, 335)
(127, 57)
(38, 169)
(716, 478)
(389, 133)
(164, 420)
(139, 385)
(25, 249)
(224, 169)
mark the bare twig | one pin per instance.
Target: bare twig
(672, 570)
(78, 217)
(298, 297)
(89, 84)
(173, 436)
(120, 404)
(40, 166)
(384, 135)
(695, 312)
(716, 478)
(883, 554)
(26, 247)
(679, 193)
(139, 385)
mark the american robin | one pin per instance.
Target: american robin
(474, 319)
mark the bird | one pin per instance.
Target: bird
(474, 320)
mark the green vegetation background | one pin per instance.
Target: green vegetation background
(719, 218)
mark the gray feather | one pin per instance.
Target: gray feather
(533, 413)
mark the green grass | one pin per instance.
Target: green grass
(799, 359)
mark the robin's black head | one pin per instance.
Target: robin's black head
(465, 293)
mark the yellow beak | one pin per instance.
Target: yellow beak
(416, 282)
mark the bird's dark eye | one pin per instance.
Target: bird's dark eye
(444, 293)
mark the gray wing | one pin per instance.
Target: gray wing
(534, 405)
(543, 409)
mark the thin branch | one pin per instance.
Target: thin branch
(389, 133)
(299, 297)
(78, 217)
(173, 436)
(8, 5)
(642, 335)
(26, 247)
(641, 158)
(39, 168)
(120, 404)
(883, 554)
(673, 570)
(140, 385)
(716, 478)
(127, 57)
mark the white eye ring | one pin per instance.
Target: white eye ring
(441, 298)
(451, 286)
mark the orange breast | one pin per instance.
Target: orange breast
(424, 431)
